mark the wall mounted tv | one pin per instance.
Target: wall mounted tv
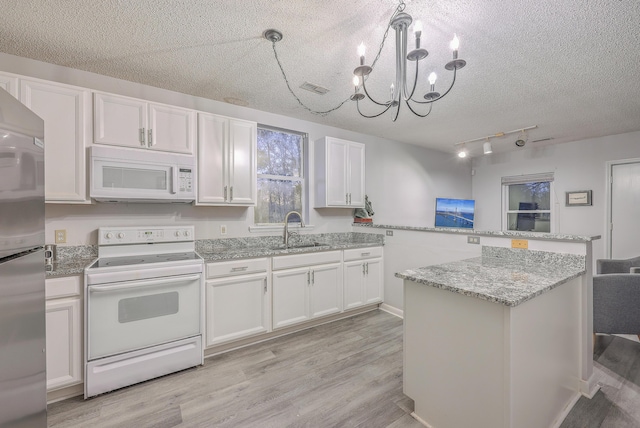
(455, 212)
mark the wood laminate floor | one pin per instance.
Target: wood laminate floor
(344, 374)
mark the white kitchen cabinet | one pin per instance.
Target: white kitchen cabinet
(131, 122)
(340, 173)
(64, 332)
(66, 111)
(237, 300)
(363, 277)
(9, 82)
(304, 292)
(226, 161)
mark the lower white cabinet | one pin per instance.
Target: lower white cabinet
(305, 293)
(363, 276)
(237, 300)
(64, 332)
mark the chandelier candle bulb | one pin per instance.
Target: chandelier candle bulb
(361, 50)
(455, 44)
(417, 28)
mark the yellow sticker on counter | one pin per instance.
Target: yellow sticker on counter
(520, 243)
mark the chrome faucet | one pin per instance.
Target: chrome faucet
(286, 226)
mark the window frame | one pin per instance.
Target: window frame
(303, 179)
(524, 179)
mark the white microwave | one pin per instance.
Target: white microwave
(132, 175)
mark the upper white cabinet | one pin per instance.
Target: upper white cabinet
(66, 111)
(9, 82)
(130, 122)
(226, 161)
(339, 166)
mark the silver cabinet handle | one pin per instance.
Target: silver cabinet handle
(346, 198)
(365, 254)
(142, 143)
(239, 269)
(150, 137)
(308, 277)
(231, 194)
(349, 198)
(265, 285)
(225, 193)
(367, 268)
(363, 268)
(313, 276)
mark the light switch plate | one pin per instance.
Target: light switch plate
(223, 229)
(473, 239)
(389, 232)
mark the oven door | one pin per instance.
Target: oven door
(124, 316)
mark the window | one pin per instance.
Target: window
(281, 183)
(527, 202)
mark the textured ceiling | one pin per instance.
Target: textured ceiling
(571, 66)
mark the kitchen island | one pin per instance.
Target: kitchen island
(494, 341)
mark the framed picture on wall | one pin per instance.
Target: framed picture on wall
(578, 198)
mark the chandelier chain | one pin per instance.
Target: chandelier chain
(401, 6)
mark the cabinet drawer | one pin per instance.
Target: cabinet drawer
(362, 253)
(236, 267)
(302, 260)
(66, 286)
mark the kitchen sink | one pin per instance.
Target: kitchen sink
(300, 245)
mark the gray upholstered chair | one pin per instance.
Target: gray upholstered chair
(616, 297)
(605, 266)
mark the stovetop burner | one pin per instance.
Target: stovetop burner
(143, 259)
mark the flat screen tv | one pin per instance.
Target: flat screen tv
(455, 213)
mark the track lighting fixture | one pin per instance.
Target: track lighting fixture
(487, 148)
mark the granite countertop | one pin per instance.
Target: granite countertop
(73, 260)
(269, 246)
(502, 233)
(502, 275)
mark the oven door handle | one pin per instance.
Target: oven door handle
(138, 284)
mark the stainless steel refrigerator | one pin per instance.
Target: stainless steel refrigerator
(23, 394)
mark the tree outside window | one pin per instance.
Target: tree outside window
(528, 202)
(280, 174)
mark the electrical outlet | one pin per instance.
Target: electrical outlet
(61, 236)
(473, 239)
(389, 232)
(520, 243)
(223, 229)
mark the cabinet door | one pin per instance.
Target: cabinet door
(119, 121)
(290, 296)
(64, 347)
(9, 83)
(66, 111)
(213, 132)
(326, 290)
(242, 162)
(236, 307)
(356, 174)
(353, 284)
(171, 129)
(336, 165)
(373, 281)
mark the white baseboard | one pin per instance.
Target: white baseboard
(419, 419)
(392, 310)
(588, 388)
(566, 411)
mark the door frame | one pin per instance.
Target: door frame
(608, 197)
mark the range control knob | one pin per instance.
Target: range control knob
(120, 235)
(108, 235)
(177, 233)
(186, 233)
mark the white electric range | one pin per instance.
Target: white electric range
(143, 306)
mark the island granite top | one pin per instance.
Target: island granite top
(502, 275)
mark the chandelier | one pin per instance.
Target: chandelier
(400, 91)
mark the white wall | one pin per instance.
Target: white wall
(579, 165)
(402, 180)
